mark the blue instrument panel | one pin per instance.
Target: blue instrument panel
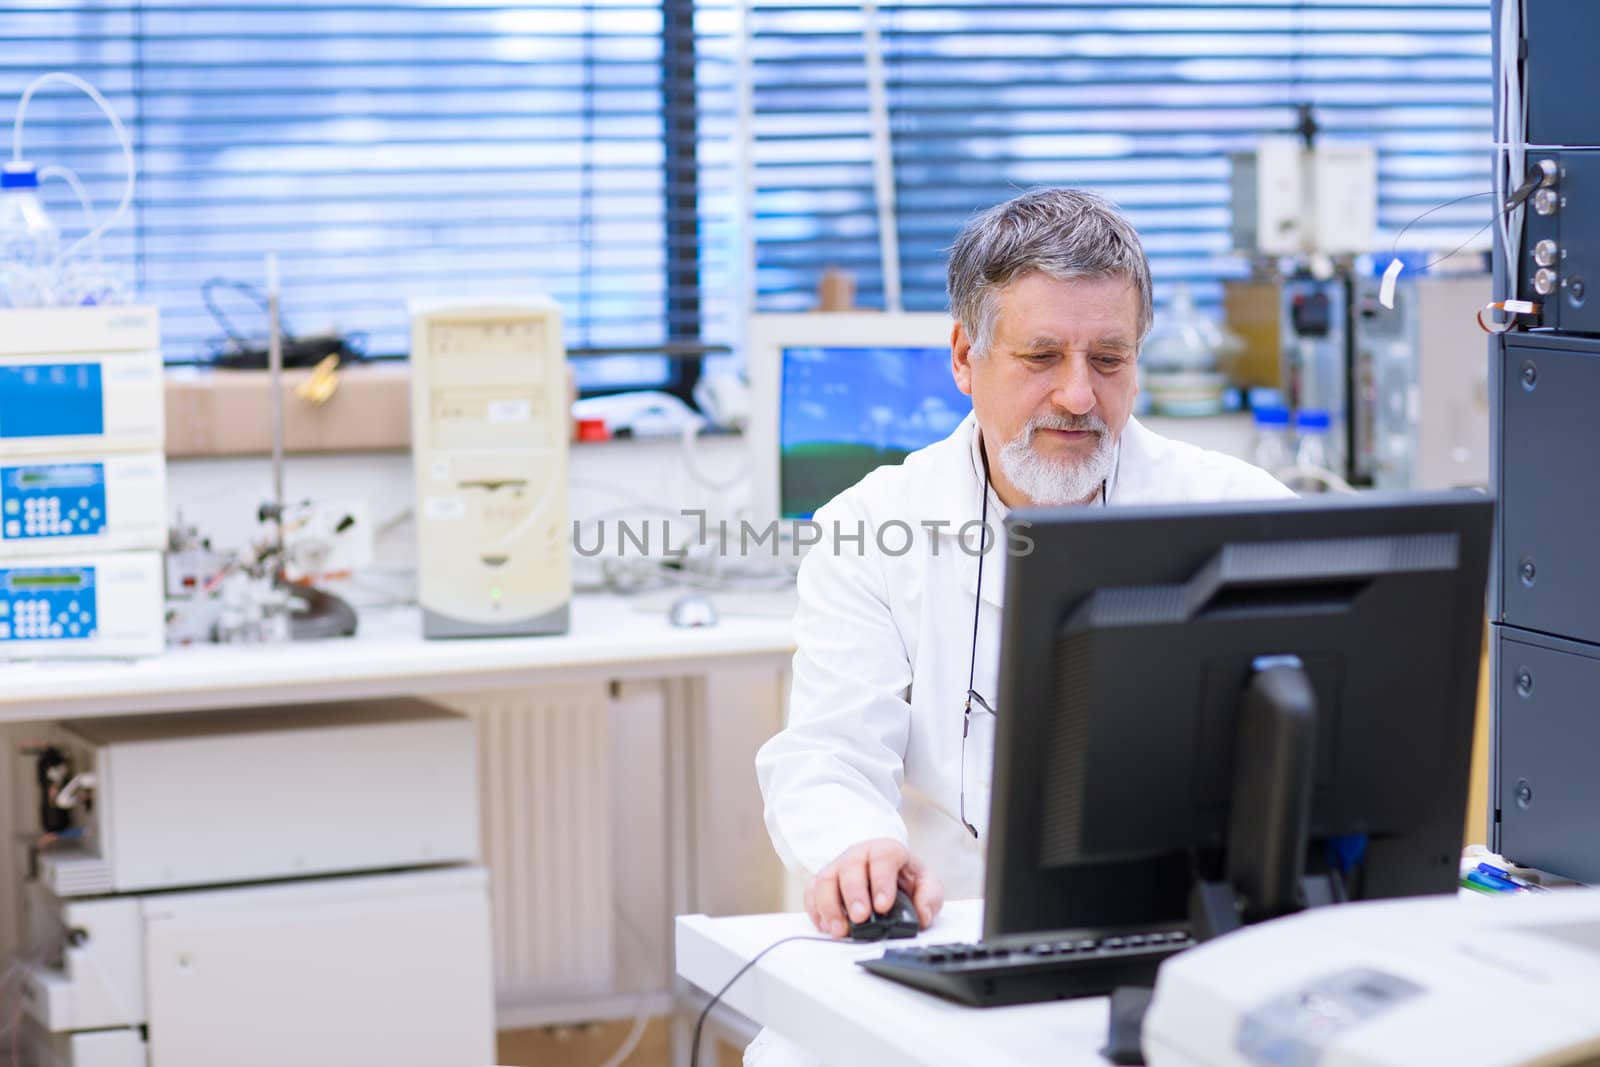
(47, 604)
(51, 400)
(52, 500)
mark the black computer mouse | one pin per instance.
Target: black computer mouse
(899, 921)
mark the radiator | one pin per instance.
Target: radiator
(546, 840)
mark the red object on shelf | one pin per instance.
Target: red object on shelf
(593, 430)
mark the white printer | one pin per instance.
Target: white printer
(1494, 982)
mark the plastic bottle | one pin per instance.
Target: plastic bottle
(1315, 448)
(29, 241)
(1271, 451)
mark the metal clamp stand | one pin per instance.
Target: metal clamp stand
(313, 613)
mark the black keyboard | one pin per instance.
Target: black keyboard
(1030, 968)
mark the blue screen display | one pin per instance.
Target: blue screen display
(48, 604)
(52, 500)
(847, 410)
(51, 400)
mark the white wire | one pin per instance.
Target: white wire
(691, 461)
(1512, 131)
(122, 138)
(640, 1021)
(641, 1018)
(882, 158)
(66, 175)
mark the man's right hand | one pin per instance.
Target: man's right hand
(864, 879)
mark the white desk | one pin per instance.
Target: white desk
(816, 996)
(689, 814)
(388, 657)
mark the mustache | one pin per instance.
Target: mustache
(1077, 423)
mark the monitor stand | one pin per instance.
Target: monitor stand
(1270, 810)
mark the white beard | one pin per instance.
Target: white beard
(1056, 482)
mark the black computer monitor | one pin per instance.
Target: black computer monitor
(1220, 713)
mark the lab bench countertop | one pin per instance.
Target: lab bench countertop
(609, 636)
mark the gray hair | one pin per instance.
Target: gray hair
(1063, 233)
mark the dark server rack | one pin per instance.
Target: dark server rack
(1544, 606)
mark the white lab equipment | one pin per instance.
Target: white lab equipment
(375, 785)
(1420, 410)
(80, 380)
(54, 504)
(1289, 200)
(489, 444)
(387, 970)
(106, 604)
(190, 897)
(1493, 982)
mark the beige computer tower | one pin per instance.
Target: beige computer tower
(489, 446)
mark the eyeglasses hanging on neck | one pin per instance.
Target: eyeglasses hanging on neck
(973, 696)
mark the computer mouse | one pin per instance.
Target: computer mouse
(692, 609)
(899, 921)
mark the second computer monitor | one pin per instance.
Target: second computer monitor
(1171, 678)
(837, 394)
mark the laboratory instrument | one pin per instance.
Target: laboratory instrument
(80, 380)
(399, 775)
(1420, 384)
(1389, 984)
(54, 504)
(1544, 630)
(1294, 199)
(106, 604)
(321, 862)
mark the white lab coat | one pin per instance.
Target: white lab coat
(873, 744)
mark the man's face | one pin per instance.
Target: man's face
(1056, 386)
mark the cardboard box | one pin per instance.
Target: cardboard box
(229, 412)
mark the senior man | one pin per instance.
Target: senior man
(864, 788)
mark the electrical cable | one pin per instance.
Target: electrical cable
(689, 437)
(699, 1024)
(641, 1018)
(630, 1043)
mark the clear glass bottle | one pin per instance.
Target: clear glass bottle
(1314, 445)
(1271, 448)
(29, 241)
